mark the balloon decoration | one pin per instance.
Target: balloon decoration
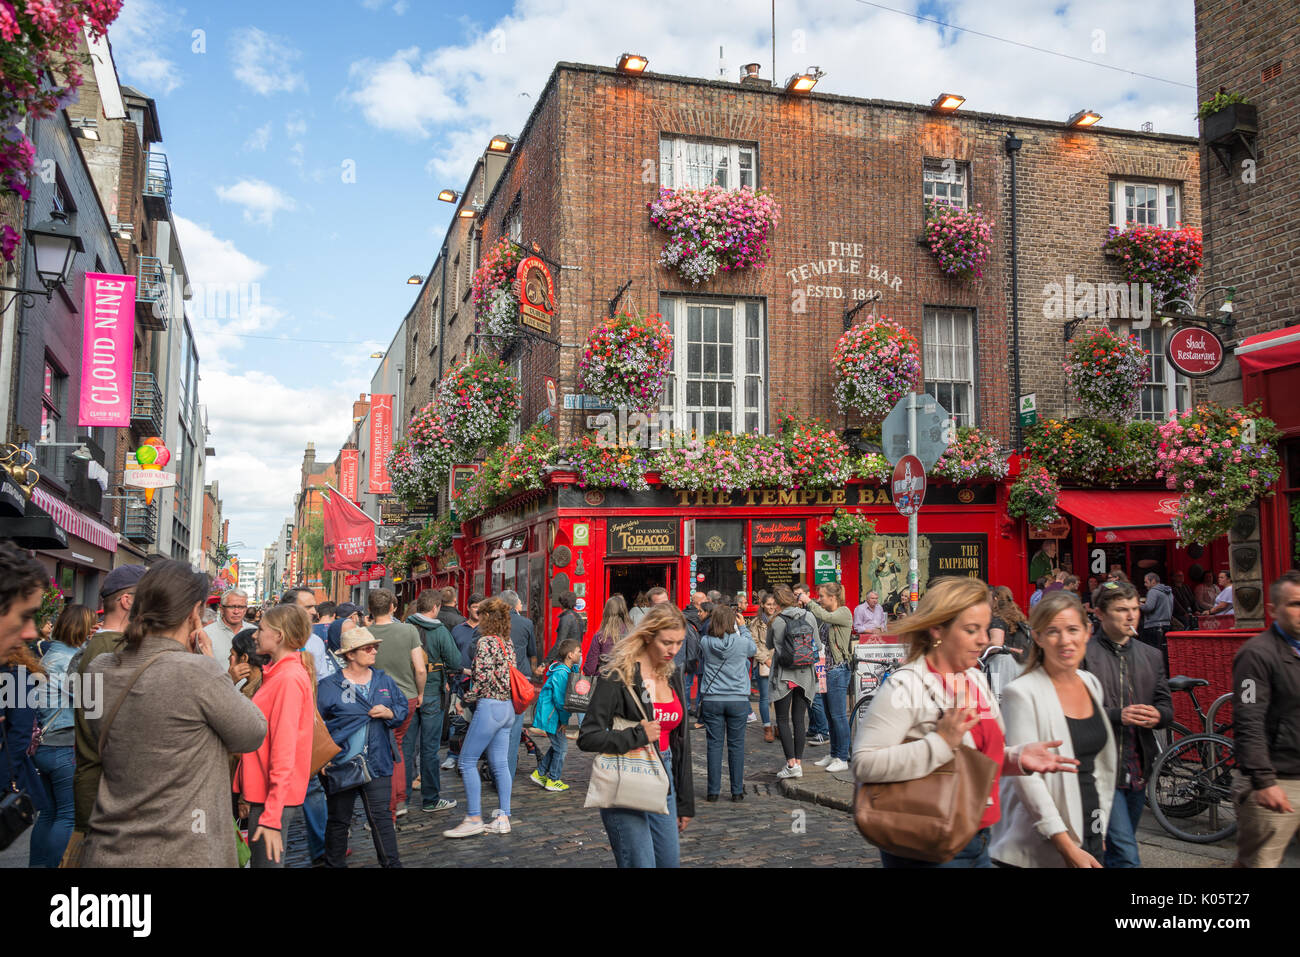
(152, 455)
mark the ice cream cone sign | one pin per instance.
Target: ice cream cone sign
(150, 457)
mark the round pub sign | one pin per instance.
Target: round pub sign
(1194, 352)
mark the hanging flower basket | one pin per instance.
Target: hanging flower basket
(972, 455)
(1169, 259)
(477, 401)
(1105, 373)
(523, 464)
(494, 295)
(875, 364)
(416, 477)
(1221, 461)
(817, 455)
(960, 239)
(626, 360)
(723, 461)
(713, 229)
(1033, 497)
(846, 528)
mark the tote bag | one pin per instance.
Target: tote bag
(635, 781)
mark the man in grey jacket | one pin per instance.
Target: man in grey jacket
(1157, 611)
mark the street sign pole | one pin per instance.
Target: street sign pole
(912, 576)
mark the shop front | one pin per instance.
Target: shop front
(602, 542)
(80, 568)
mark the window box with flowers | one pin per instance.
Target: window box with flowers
(724, 462)
(1225, 116)
(1090, 452)
(846, 528)
(713, 229)
(972, 455)
(874, 365)
(599, 465)
(817, 456)
(961, 240)
(626, 360)
(1168, 259)
(1105, 373)
(495, 300)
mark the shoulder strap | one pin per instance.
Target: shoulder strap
(108, 723)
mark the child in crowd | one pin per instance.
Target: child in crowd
(551, 717)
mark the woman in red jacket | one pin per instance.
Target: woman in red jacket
(273, 779)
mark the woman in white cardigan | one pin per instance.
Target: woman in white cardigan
(1057, 821)
(939, 701)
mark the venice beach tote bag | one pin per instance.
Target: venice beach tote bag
(635, 781)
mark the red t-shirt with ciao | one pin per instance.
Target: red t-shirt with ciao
(669, 716)
(988, 737)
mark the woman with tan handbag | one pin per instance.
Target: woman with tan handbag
(1058, 821)
(931, 709)
(638, 706)
(273, 779)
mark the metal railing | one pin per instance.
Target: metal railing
(146, 405)
(141, 523)
(157, 177)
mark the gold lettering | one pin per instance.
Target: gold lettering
(749, 497)
(837, 497)
(769, 497)
(787, 496)
(683, 498)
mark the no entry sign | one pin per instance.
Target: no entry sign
(908, 485)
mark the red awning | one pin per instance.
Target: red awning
(1119, 516)
(1270, 350)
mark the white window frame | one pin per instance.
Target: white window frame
(515, 224)
(674, 151)
(963, 358)
(1168, 214)
(748, 368)
(1166, 389)
(935, 171)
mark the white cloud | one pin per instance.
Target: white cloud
(401, 95)
(259, 139)
(295, 125)
(136, 36)
(263, 63)
(261, 200)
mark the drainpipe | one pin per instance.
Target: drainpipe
(1012, 145)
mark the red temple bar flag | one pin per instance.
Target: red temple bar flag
(349, 533)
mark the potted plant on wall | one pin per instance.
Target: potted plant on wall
(1225, 115)
(875, 364)
(960, 240)
(713, 229)
(846, 528)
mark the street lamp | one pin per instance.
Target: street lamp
(1222, 318)
(81, 455)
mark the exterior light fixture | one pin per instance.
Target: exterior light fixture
(501, 143)
(414, 280)
(85, 128)
(449, 195)
(1083, 119)
(54, 244)
(632, 63)
(466, 213)
(82, 454)
(947, 102)
(376, 355)
(804, 82)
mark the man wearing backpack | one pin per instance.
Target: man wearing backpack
(443, 663)
(688, 656)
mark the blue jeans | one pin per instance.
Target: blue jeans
(1121, 832)
(551, 765)
(490, 731)
(764, 688)
(726, 717)
(817, 717)
(974, 854)
(315, 814)
(837, 703)
(50, 833)
(512, 755)
(429, 732)
(642, 839)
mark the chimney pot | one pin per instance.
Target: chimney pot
(750, 75)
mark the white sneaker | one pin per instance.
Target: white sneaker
(500, 825)
(449, 764)
(822, 762)
(401, 811)
(795, 771)
(839, 764)
(466, 828)
(752, 718)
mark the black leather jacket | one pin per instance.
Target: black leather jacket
(1131, 673)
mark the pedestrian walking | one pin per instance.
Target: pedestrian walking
(233, 608)
(1138, 702)
(424, 738)
(361, 705)
(724, 689)
(1266, 722)
(937, 702)
(1057, 820)
(551, 717)
(641, 686)
(54, 739)
(837, 625)
(448, 614)
(492, 729)
(614, 627)
(21, 671)
(171, 718)
(524, 640)
(272, 780)
(793, 681)
(570, 624)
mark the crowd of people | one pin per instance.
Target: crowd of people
(205, 733)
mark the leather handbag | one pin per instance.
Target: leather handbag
(578, 692)
(522, 690)
(17, 812)
(635, 781)
(323, 747)
(337, 777)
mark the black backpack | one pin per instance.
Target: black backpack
(797, 646)
(691, 661)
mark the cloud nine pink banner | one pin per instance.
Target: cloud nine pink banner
(106, 347)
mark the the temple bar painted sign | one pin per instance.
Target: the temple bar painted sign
(536, 292)
(984, 493)
(642, 536)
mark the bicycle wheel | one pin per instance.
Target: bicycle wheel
(1171, 734)
(1194, 777)
(1161, 791)
(858, 709)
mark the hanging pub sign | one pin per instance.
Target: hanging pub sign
(536, 294)
(1194, 351)
(640, 536)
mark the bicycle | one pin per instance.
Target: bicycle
(1167, 736)
(1190, 791)
(885, 668)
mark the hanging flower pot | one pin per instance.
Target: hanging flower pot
(1033, 497)
(1105, 373)
(845, 528)
(713, 229)
(1168, 259)
(495, 300)
(626, 360)
(874, 365)
(477, 401)
(960, 239)
(972, 455)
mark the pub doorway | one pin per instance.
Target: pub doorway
(630, 579)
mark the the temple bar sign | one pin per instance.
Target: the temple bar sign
(642, 536)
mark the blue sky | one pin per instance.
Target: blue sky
(285, 98)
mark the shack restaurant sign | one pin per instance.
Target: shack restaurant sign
(1195, 352)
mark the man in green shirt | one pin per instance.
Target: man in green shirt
(401, 657)
(425, 735)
